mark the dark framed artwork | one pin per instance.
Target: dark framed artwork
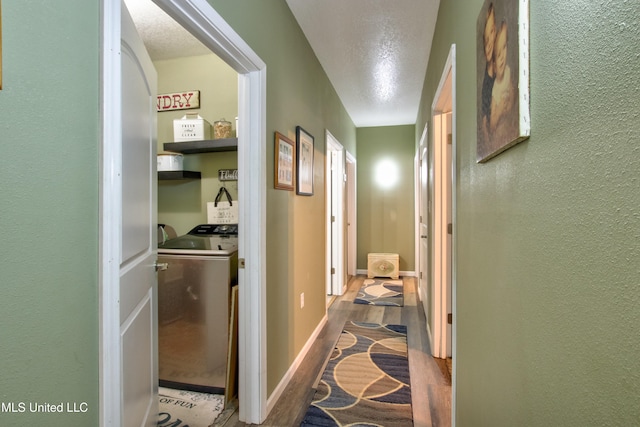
(285, 154)
(502, 49)
(304, 160)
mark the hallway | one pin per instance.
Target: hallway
(430, 381)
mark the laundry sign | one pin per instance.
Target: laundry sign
(178, 100)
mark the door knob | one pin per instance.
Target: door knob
(424, 236)
(161, 266)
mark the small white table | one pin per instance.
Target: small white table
(383, 265)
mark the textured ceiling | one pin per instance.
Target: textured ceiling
(163, 37)
(374, 52)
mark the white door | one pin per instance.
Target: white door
(443, 206)
(336, 212)
(351, 215)
(423, 212)
(441, 248)
(448, 242)
(333, 277)
(199, 18)
(138, 279)
(333, 201)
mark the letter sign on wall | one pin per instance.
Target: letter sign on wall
(179, 100)
(228, 174)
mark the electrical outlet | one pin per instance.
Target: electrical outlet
(302, 300)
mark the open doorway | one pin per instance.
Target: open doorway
(423, 212)
(352, 215)
(442, 220)
(443, 215)
(196, 287)
(204, 23)
(336, 265)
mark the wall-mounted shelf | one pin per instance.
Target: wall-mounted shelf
(178, 175)
(206, 146)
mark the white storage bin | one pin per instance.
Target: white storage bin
(383, 265)
(170, 162)
(191, 127)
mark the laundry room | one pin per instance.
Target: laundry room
(197, 176)
(197, 199)
(195, 292)
(182, 202)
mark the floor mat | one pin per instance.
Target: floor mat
(381, 292)
(180, 408)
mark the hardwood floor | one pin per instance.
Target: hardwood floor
(430, 380)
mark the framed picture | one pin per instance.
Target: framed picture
(304, 162)
(285, 150)
(502, 55)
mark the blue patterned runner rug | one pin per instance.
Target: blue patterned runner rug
(366, 381)
(381, 292)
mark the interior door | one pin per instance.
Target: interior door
(442, 207)
(138, 280)
(336, 217)
(351, 216)
(424, 226)
(449, 237)
(333, 200)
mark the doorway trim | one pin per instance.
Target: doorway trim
(199, 18)
(445, 96)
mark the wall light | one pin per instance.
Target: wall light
(386, 174)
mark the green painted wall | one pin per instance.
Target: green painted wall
(182, 204)
(49, 132)
(386, 215)
(298, 93)
(548, 241)
(50, 129)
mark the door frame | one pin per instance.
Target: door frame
(445, 96)
(335, 192)
(199, 18)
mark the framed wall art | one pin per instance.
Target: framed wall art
(285, 154)
(502, 55)
(304, 160)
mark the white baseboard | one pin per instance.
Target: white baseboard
(271, 401)
(402, 273)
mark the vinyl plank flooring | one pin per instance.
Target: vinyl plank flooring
(430, 384)
(440, 405)
(392, 316)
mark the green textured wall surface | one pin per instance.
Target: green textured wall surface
(182, 203)
(386, 215)
(548, 232)
(49, 127)
(298, 94)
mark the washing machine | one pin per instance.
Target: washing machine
(194, 307)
